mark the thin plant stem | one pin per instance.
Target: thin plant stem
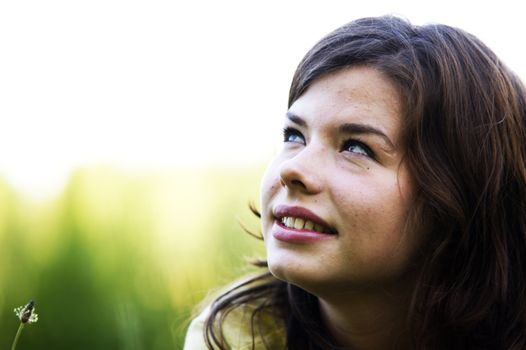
(13, 347)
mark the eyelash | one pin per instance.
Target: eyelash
(368, 152)
(288, 132)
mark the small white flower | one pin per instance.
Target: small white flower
(26, 313)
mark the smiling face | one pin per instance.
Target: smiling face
(341, 172)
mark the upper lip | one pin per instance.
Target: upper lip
(282, 211)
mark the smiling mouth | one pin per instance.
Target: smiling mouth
(304, 224)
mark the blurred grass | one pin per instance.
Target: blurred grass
(119, 260)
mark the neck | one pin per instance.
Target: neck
(372, 319)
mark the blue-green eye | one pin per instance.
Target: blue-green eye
(293, 135)
(358, 147)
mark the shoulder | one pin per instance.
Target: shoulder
(194, 339)
(245, 326)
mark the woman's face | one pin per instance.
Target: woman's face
(335, 200)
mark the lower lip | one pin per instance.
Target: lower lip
(289, 235)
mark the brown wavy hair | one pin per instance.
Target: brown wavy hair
(464, 130)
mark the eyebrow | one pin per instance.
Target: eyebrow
(347, 128)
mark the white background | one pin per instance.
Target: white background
(155, 84)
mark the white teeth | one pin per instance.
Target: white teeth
(302, 224)
(298, 224)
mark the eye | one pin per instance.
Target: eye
(293, 135)
(358, 147)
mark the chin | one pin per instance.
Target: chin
(298, 274)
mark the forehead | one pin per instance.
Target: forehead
(357, 94)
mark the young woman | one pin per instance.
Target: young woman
(395, 215)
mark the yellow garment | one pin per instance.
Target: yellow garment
(270, 332)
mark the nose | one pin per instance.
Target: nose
(302, 172)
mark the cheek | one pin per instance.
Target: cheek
(374, 217)
(373, 200)
(270, 184)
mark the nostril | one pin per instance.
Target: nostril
(298, 183)
(296, 176)
(292, 183)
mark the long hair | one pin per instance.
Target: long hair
(464, 134)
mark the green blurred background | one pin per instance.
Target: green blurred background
(120, 260)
